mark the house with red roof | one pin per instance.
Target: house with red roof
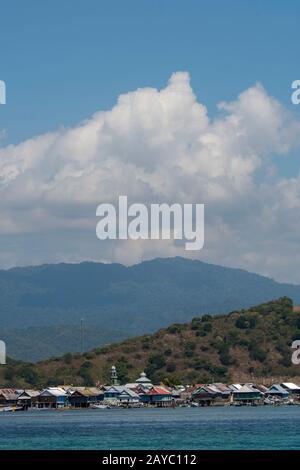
(158, 396)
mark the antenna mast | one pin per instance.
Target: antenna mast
(81, 336)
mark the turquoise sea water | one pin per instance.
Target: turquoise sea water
(166, 429)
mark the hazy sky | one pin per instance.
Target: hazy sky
(171, 101)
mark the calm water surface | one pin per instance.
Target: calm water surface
(166, 429)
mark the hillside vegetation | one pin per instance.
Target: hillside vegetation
(252, 344)
(41, 307)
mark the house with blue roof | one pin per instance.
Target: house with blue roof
(278, 391)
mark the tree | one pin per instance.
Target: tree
(256, 352)
(171, 367)
(155, 363)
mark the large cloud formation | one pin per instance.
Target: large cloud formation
(158, 146)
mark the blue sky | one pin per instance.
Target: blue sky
(62, 61)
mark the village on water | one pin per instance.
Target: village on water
(142, 393)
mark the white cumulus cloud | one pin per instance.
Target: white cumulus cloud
(158, 146)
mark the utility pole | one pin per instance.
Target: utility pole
(81, 336)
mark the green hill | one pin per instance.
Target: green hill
(36, 343)
(41, 307)
(252, 344)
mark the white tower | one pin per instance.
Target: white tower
(114, 376)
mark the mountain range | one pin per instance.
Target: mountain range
(41, 307)
(252, 345)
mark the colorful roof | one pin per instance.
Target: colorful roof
(158, 391)
(194, 388)
(277, 388)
